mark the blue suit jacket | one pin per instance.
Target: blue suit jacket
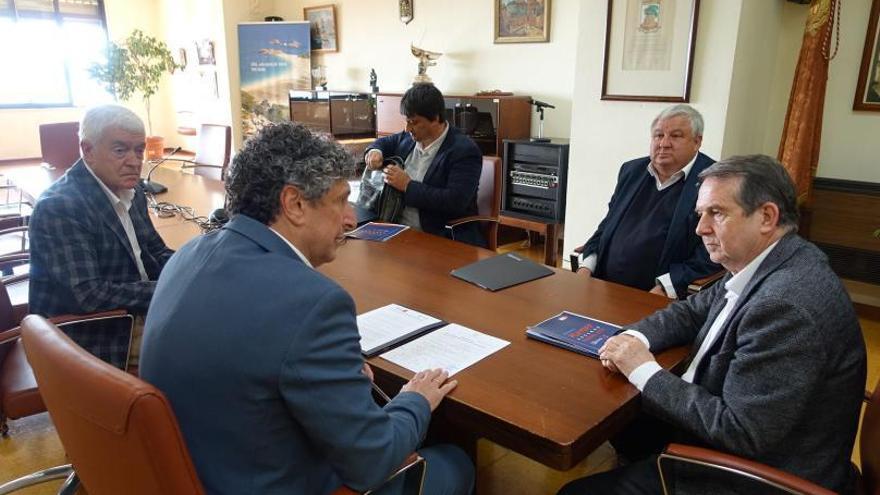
(260, 358)
(684, 257)
(449, 188)
(82, 262)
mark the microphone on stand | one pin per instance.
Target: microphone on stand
(540, 106)
(154, 187)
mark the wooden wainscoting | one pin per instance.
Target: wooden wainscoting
(845, 215)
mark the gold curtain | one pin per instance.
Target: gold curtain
(801, 136)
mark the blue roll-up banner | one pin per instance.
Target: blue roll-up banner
(274, 58)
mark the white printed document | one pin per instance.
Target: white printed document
(452, 348)
(384, 327)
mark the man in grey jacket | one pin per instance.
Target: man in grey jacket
(777, 367)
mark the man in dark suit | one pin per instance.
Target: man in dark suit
(260, 354)
(777, 371)
(647, 239)
(93, 246)
(442, 167)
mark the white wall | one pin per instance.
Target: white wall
(19, 127)
(850, 145)
(607, 133)
(187, 21)
(745, 58)
(372, 36)
(753, 71)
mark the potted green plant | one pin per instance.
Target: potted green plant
(136, 65)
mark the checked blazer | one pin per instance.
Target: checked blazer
(82, 262)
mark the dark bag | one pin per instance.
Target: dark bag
(385, 202)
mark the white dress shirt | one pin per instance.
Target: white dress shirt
(590, 261)
(295, 250)
(735, 286)
(121, 205)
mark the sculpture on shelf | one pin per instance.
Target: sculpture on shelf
(319, 77)
(374, 85)
(426, 59)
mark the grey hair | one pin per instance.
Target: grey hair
(762, 179)
(97, 120)
(691, 113)
(283, 154)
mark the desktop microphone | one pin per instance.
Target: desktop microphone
(155, 187)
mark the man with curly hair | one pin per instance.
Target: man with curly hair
(259, 353)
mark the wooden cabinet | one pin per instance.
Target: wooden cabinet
(488, 120)
(342, 114)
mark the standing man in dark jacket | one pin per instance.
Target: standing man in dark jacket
(647, 239)
(442, 166)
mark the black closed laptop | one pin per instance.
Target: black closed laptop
(502, 271)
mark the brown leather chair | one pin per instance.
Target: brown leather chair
(19, 395)
(119, 431)
(59, 144)
(213, 152)
(765, 479)
(14, 241)
(18, 389)
(20, 398)
(488, 202)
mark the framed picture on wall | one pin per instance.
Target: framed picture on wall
(517, 21)
(868, 86)
(649, 50)
(205, 51)
(322, 24)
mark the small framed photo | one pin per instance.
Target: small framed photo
(181, 57)
(868, 85)
(522, 22)
(322, 25)
(205, 51)
(649, 50)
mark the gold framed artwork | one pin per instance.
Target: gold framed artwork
(649, 50)
(522, 21)
(322, 25)
(868, 86)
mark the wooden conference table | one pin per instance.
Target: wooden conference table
(549, 404)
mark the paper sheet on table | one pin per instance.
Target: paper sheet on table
(389, 323)
(452, 348)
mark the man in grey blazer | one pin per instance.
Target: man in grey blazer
(259, 353)
(777, 370)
